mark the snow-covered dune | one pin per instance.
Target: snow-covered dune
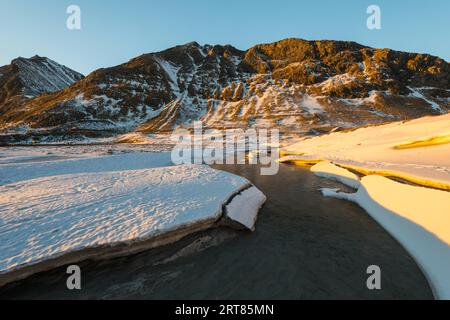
(417, 150)
(66, 211)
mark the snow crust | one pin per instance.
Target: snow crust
(245, 206)
(326, 169)
(49, 209)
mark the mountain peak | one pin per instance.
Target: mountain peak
(34, 58)
(27, 78)
(191, 44)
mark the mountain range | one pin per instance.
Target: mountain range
(308, 87)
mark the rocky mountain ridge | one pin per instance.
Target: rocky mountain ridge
(293, 84)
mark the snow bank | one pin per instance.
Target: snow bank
(419, 218)
(57, 212)
(375, 150)
(52, 218)
(417, 151)
(245, 206)
(326, 169)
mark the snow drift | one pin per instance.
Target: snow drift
(72, 210)
(417, 150)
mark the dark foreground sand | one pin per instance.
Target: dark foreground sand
(305, 247)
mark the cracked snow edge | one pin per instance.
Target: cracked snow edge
(135, 246)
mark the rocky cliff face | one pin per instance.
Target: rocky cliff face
(293, 84)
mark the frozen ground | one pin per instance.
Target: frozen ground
(52, 208)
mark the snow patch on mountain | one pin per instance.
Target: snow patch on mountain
(312, 104)
(415, 92)
(336, 81)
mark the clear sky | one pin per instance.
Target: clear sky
(114, 31)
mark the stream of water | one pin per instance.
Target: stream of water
(305, 247)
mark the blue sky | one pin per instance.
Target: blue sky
(115, 31)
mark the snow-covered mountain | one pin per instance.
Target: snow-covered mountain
(25, 79)
(293, 84)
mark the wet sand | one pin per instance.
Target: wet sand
(305, 247)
